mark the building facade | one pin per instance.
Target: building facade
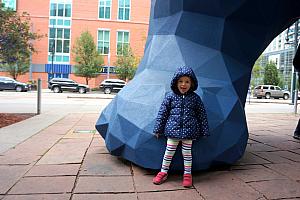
(281, 51)
(114, 24)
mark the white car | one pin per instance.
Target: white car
(109, 85)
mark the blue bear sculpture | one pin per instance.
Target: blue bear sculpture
(220, 40)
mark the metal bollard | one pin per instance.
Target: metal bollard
(39, 95)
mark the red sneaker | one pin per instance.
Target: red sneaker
(187, 180)
(160, 178)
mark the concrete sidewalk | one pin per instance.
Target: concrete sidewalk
(67, 159)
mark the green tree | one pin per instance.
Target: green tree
(16, 42)
(281, 80)
(88, 60)
(256, 75)
(126, 64)
(271, 74)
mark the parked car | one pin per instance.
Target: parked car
(111, 85)
(7, 83)
(58, 85)
(270, 91)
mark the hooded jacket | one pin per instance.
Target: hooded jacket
(182, 116)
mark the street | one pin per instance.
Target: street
(66, 102)
(94, 102)
(254, 105)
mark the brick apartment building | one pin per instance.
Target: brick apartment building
(113, 23)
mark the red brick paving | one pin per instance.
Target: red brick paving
(9, 175)
(104, 197)
(54, 170)
(278, 189)
(44, 185)
(38, 197)
(109, 184)
(58, 163)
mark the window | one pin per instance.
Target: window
(59, 44)
(12, 4)
(122, 42)
(60, 14)
(53, 9)
(104, 9)
(67, 10)
(124, 10)
(103, 41)
(59, 31)
(60, 10)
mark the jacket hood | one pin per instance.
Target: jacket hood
(184, 71)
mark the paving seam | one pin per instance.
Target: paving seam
(77, 175)
(33, 164)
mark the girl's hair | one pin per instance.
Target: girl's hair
(192, 84)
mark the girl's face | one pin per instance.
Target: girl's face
(184, 84)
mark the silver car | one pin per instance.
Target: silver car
(270, 91)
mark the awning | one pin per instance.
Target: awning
(58, 68)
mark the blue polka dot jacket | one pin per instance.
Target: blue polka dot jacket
(182, 116)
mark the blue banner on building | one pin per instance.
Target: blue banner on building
(66, 69)
(58, 68)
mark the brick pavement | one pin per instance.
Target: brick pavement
(65, 161)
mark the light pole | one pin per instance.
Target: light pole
(52, 51)
(52, 58)
(108, 65)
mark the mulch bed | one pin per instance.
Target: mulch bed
(7, 119)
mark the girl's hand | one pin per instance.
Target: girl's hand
(156, 135)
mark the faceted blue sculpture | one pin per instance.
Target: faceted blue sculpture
(220, 40)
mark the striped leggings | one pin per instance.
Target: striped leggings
(186, 153)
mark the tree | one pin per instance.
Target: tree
(88, 60)
(16, 42)
(256, 74)
(271, 74)
(126, 64)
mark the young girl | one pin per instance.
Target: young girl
(181, 118)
